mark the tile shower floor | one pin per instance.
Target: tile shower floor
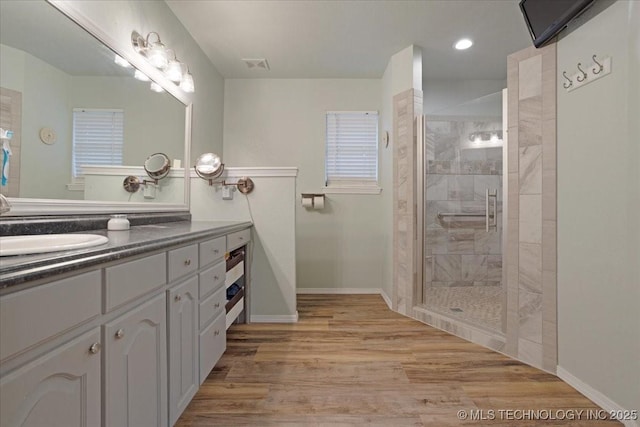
(478, 305)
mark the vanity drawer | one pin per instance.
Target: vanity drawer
(213, 343)
(127, 281)
(183, 261)
(35, 315)
(212, 250)
(212, 278)
(212, 306)
(237, 239)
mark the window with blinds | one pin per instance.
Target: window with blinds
(352, 149)
(98, 137)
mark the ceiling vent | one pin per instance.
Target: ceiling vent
(256, 64)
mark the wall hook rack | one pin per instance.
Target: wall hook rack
(594, 71)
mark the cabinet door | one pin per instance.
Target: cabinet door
(61, 388)
(183, 346)
(136, 367)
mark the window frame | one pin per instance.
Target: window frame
(352, 186)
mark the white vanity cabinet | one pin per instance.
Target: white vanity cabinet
(135, 372)
(184, 346)
(59, 389)
(126, 343)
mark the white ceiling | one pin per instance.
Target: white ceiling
(354, 39)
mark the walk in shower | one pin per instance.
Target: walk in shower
(461, 212)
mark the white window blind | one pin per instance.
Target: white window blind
(98, 137)
(352, 148)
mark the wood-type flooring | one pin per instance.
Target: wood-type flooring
(352, 361)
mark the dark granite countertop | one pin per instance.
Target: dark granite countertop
(21, 269)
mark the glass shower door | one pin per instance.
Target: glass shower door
(462, 218)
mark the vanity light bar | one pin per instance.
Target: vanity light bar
(164, 59)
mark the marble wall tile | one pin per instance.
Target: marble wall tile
(482, 182)
(494, 268)
(530, 352)
(530, 315)
(549, 195)
(514, 197)
(487, 243)
(530, 77)
(428, 270)
(530, 267)
(531, 170)
(437, 187)
(474, 268)
(436, 241)
(447, 268)
(460, 187)
(549, 152)
(513, 150)
(530, 223)
(530, 122)
(460, 241)
(549, 247)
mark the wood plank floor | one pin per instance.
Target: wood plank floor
(352, 361)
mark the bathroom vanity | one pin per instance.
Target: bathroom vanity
(121, 334)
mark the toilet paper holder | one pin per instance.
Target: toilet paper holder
(313, 200)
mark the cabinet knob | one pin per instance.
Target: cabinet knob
(241, 238)
(95, 347)
(119, 333)
(215, 251)
(187, 262)
(217, 305)
(216, 333)
(178, 297)
(215, 277)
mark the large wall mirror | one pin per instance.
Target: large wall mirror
(61, 88)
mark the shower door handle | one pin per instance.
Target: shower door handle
(491, 219)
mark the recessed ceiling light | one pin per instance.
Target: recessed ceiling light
(463, 44)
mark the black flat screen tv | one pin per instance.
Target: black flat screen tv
(546, 18)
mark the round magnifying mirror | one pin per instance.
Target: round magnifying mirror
(157, 165)
(209, 166)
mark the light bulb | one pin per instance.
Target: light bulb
(121, 61)
(156, 87)
(187, 83)
(175, 71)
(141, 76)
(157, 55)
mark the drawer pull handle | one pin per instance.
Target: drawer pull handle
(216, 333)
(95, 348)
(215, 277)
(241, 238)
(119, 333)
(187, 262)
(215, 251)
(217, 305)
(178, 297)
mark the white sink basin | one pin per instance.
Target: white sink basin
(41, 243)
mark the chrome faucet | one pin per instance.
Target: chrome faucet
(5, 206)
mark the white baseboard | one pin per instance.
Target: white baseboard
(367, 291)
(594, 395)
(260, 318)
(386, 298)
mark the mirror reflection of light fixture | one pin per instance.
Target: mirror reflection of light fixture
(164, 59)
(209, 166)
(494, 136)
(141, 76)
(187, 83)
(121, 61)
(156, 87)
